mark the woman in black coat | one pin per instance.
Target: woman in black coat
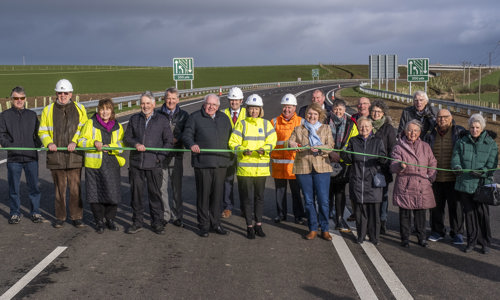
(367, 196)
(383, 129)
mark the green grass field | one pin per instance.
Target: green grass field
(40, 80)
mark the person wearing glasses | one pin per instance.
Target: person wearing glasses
(383, 129)
(60, 125)
(209, 128)
(19, 128)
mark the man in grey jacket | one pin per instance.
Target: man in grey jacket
(147, 129)
(208, 128)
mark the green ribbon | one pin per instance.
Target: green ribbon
(235, 151)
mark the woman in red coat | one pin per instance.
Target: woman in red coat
(413, 185)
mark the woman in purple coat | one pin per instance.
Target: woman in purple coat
(413, 185)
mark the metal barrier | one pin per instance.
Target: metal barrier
(199, 91)
(450, 105)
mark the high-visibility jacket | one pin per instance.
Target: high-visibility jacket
(90, 134)
(241, 116)
(46, 131)
(282, 161)
(253, 134)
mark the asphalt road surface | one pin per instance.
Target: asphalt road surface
(40, 262)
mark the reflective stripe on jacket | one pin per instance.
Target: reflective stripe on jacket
(253, 134)
(282, 161)
(241, 116)
(46, 130)
(90, 134)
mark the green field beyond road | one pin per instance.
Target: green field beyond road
(40, 80)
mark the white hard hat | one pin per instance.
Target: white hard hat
(235, 93)
(254, 100)
(64, 85)
(289, 99)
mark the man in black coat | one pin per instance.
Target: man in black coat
(208, 128)
(421, 111)
(151, 130)
(317, 97)
(19, 128)
(172, 165)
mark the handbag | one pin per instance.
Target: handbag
(487, 194)
(379, 180)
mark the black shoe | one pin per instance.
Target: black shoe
(485, 250)
(203, 233)
(383, 228)
(134, 229)
(78, 223)
(164, 222)
(111, 225)
(300, 221)
(220, 230)
(99, 227)
(58, 223)
(423, 244)
(250, 233)
(359, 241)
(279, 219)
(259, 231)
(405, 244)
(468, 248)
(375, 243)
(178, 223)
(158, 229)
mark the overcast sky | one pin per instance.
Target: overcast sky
(252, 32)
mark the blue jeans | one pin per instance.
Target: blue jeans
(319, 183)
(14, 170)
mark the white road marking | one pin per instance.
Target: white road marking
(16, 288)
(3, 161)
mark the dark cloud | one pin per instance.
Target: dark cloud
(223, 32)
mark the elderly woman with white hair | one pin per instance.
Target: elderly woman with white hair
(421, 111)
(478, 151)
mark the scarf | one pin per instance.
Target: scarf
(426, 113)
(377, 124)
(338, 126)
(314, 139)
(108, 126)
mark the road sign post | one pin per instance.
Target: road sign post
(183, 69)
(418, 71)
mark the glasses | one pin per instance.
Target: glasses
(443, 117)
(212, 104)
(19, 98)
(377, 112)
(62, 93)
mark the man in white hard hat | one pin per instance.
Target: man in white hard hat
(282, 162)
(318, 96)
(60, 127)
(235, 113)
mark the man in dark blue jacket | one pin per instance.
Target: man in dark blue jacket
(317, 97)
(147, 129)
(209, 128)
(19, 128)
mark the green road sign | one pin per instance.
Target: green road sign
(183, 68)
(418, 69)
(315, 73)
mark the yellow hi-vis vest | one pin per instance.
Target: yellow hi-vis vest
(46, 130)
(90, 134)
(253, 134)
(241, 116)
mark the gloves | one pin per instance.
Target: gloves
(476, 174)
(334, 157)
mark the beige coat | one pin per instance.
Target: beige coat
(305, 161)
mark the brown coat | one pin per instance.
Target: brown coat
(305, 162)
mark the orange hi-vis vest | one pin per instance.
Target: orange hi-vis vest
(282, 161)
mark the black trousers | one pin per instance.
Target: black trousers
(228, 200)
(477, 221)
(282, 201)
(405, 223)
(152, 180)
(444, 192)
(337, 198)
(209, 190)
(103, 210)
(368, 220)
(245, 186)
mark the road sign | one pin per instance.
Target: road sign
(315, 73)
(383, 66)
(183, 68)
(418, 69)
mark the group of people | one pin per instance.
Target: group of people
(330, 149)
